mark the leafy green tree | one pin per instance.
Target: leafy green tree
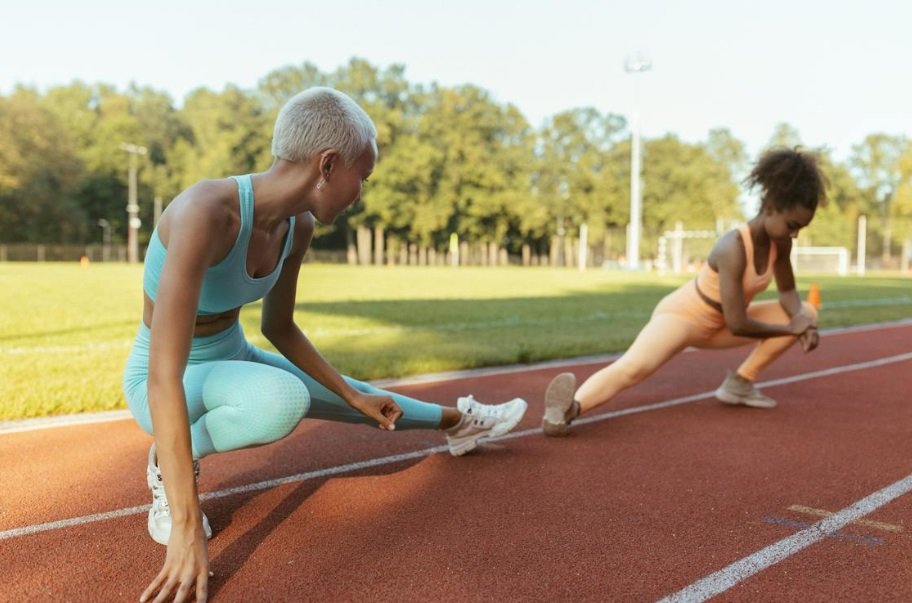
(38, 170)
(577, 176)
(225, 135)
(876, 166)
(683, 182)
(835, 223)
(730, 152)
(901, 208)
(386, 96)
(784, 135)
(478, 153)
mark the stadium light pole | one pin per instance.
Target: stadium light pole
(634, 64)
(133, 222)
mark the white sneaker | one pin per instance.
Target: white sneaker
(482, 421)
(160, 513)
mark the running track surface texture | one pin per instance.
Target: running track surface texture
(668, 495)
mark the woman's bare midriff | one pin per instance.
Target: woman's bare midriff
(207, 324)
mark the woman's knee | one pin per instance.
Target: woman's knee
(629, 372)
(809, 309)
(265, 402)
(281, 402)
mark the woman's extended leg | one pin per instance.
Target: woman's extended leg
(325, 404)
(463, 425)
(666, 334)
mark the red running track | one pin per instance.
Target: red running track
(629, 507)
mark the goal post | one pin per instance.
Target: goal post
(828, 260)
(673, 243)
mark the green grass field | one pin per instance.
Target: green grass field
(65, 332)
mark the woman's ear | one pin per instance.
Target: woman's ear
(328, 160)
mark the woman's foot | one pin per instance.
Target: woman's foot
(482, 421)
(560, 409)
(738, 390)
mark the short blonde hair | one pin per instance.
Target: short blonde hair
(322, 118)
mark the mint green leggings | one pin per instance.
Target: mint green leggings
(240, 396)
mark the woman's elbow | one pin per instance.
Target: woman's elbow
(738, 328)
(275, 333)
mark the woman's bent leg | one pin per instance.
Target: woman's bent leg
(233, 404)
(767, 350)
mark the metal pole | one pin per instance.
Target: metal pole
(636, 212)
(105, 240)
(635, 64)
(133, 222)
(862, 243)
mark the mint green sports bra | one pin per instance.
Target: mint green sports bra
(227, 284)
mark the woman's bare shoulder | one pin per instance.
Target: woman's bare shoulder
(210, 205)
(728, 250)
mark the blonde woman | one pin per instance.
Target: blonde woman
(193, 380)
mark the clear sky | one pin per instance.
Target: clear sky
(834, 72)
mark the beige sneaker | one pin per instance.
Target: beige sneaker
(738, 390)
(558, 402)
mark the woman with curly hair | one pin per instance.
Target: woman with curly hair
(715, 310)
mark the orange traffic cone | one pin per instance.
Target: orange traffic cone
(813, 297)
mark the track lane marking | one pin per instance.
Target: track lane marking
(398, 458)
(879, 525)
(731, 575)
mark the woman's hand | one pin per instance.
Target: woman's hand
(809, 339)
(800, 323)
(381, 408)
(186, 566)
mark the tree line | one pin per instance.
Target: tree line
(452, 160)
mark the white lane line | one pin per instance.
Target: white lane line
(724, 579)
(398, 458)
(264, 485)
(105, 416)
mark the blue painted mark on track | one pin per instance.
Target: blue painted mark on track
(801, 525)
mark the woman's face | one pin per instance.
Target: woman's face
(785, 224)
(342, 186)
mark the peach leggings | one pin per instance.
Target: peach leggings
(682, 320)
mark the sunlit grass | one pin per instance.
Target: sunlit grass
(65, 332)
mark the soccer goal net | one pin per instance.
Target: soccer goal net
(827, 260)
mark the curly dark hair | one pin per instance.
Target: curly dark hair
(789, 178)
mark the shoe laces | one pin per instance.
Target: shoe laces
(159, 498)
(482, 414)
